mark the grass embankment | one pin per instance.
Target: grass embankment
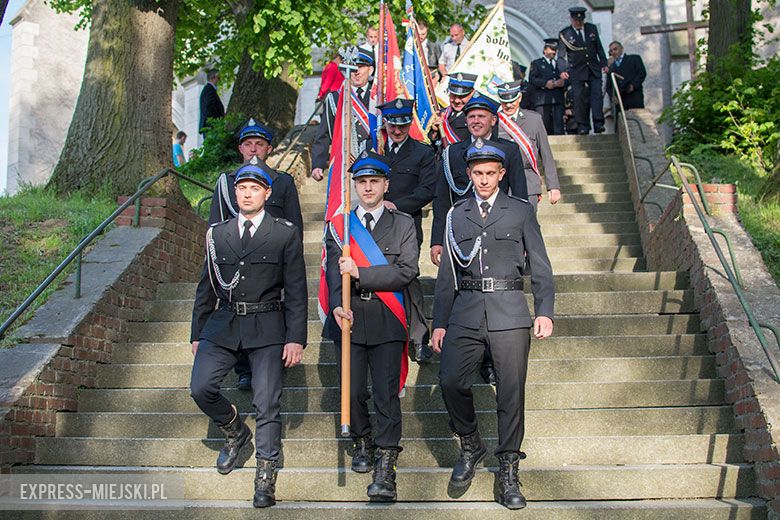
(760, 218)
(38, 230)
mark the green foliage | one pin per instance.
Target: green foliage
(38, 231)
(735, 110)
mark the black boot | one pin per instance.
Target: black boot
(363, 456)
(383, 487)
(265, 483)
(508, 486)
(472, 451)
(237, 434)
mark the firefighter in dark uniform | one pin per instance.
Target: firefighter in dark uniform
(378, 337)
(255, 142)
(412, 186)
(452, 120)
(549, 84)
(361, 87)
(479, 303)
(250, 260)
(580, 47)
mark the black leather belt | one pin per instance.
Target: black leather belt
(490, 285)
(244, 308)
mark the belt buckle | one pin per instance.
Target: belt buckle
(488, 285)
(240, 308)
(365, 296)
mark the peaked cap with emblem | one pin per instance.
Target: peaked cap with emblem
(255, 170)
(370, 164)
(578, 13)
(461, 83)
(255, 129)
(482, 150)
(479, 101)
(510, 91)
(398, 112)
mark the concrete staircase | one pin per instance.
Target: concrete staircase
(626, 417)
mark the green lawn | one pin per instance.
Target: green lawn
(38, 230)
(761, 219)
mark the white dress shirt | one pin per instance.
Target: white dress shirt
(256, 221)
(376, 213)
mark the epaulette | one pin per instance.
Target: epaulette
(283, 221)
(399, 212)
(461, 201)
(519, 198)
(215, 224)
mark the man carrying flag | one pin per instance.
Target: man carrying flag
(383, 262)
(526, 128)
(412, 186)
(363, 109)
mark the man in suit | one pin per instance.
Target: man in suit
(453, 182)
(211, 106)
(238, 308)
(378, 335)
(320, 148)
(580, 47)
(549, 84)
(430, 48)
(527, 130)
(630, 73)
(255, 143)
(412, 186)
(479, 303)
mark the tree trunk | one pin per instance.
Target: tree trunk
(121, 128)
(3, 6)
(770, 191)
(269, 100)
(730, 23)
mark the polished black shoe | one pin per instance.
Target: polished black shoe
(488, 372)
(422, 353)
(363, 455)
(237, 435)
(509, 494)
(583, 132)
(599, 130)
(265, 483)
(472, 451)
(244, 382)
(382, 489)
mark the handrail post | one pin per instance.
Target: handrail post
(774, 330)
(78, 277)
(699, 185)
(732, 255)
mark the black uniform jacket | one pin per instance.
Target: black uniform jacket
(514, 179)
(510, 231)
(541, 72)
(272, 262)
(633, 72)
(374, 323)
(284, 202)
(584, 58)
(320, 148)
(412, 180)
(210, 105)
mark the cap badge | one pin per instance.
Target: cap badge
(399, 104)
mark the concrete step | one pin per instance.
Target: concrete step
(611, 161)
(590, 178)
(564, 283)
(316, 373)
(585, 139)
(692, 509)
(564, 326)
(538, 423)
(548, 396)
(596, 303)
(613, 219)
(543, 452)
(646, 481)
(544, 209)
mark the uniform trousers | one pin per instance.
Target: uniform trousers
(587, 99)
(461, 356)
(384, 362)
(552, 117)
(212, 363)
(415, 313)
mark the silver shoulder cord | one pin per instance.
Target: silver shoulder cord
(211, 257)
(224, 193)
(456, 254)
(332, 106)
(448, 175)
(335, 235)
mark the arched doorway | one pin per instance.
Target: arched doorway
(526, 37)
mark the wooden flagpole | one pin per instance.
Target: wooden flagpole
(346, 281)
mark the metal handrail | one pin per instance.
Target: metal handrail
(730, 275)
(733, 256)
(639, 126)
(619, 98)
(699, 185)
(77, 251)
(300, 133)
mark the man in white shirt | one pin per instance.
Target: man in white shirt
(453, 48)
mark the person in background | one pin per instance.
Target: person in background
(178, 149)
(452, 49)
(332, 78)
(630, 73)
(211, 106)
(549, 85)
(372, 41)
(431, 49)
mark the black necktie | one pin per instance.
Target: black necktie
(393, 149)
(582, 37)
(485, 205)
(457, 53)
(247, 235)
(369, 218)
(360, 93)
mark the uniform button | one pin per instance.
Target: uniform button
(487, 267)
(243, 294)
(243, 277)
(484, 233)
(241, 262)
(263, 258)
(223, 258)
(387, 249)
(484, 250)
(507, 234)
